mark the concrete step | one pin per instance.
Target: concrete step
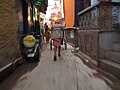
(114, 56)
(110, 67)
(116, 47)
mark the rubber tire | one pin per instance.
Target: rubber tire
(50, 45)
(37, 58)
(65, 44)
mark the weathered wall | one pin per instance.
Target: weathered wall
(88, 43)
(107, 41)
(8, 32)
(109, 52)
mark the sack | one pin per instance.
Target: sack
(56, 33)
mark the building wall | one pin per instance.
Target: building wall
(9, 47)
(78, 7)
(88, 43)
(109, 52)
(109, 41)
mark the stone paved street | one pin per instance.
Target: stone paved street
(67, 73)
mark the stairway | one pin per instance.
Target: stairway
(111, 63)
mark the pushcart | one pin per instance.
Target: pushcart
(63, 41)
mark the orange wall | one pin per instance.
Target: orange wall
(69, 13)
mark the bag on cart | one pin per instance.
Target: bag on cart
(56, 31)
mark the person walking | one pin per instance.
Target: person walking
(47, 33)
(56, 36)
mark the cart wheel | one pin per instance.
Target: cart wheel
(65, 43)
(37, 57)
(51, 45)
(65, 46)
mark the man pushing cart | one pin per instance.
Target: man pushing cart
(57, 36)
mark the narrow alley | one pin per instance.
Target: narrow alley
(87, 30)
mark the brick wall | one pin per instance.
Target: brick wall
(8, 32)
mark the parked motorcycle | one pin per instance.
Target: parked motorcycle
(31, 47)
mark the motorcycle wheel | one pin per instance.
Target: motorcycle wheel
(37, 57)
(50, 45)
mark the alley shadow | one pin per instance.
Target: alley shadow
(21, 71)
